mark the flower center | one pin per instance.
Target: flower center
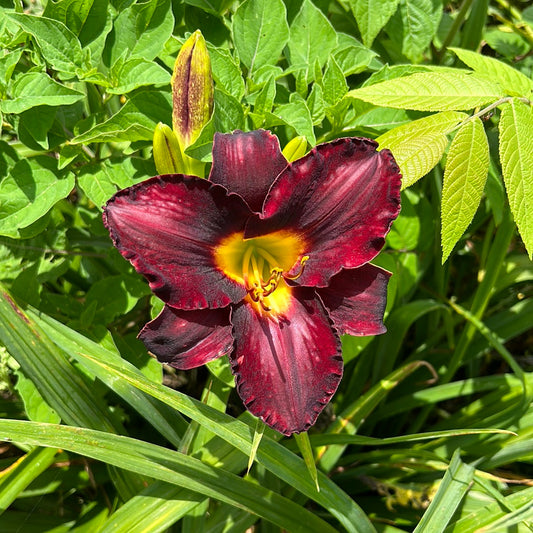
(261, 264)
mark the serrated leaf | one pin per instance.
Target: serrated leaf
(512, 81)
(351, 56)
(432, 91)
(516, 157)
(312, 39)
(29, 192)
(59, 46)
(419, 145)
(260, 32)
(371, 16)
(37, 88)
(467, 166)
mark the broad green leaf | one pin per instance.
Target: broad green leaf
(432, 91)
(511, 80)
(35, 407)
(516, 157)
(115, 296)
(265, 99)
(96, 183)
(29, 192)
(415, 25)
(419, 145)
(8, 62)
(351, 56)
(297, 115)
(59, 46)
(140, 30)
(312, 40)
(260, 32)
(168, 465)
(226, 72)
(89, 20)
(452, 490)
(216, 7)
(371, 16)
(135, 121)
(467, 166)
(228, 113)
(315, 103)
(137, 72)
(37, 88)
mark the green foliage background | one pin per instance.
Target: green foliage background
(431, 428)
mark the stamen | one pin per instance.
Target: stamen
(304, 260)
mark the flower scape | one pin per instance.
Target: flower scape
(265, 261)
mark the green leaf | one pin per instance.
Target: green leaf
(511, 80)
(37, 88)
(89, 20)
(302, 439)
(228, 112)
(135, 121)
(29, 192)
(59, 46)
(414, 26)
(516, 157)
(170, 466)
(260, 32)
(226, 72)
(371, 16)
(432, 91)
(297, 115)
(140, 30)
(137, 72)
(316, 104)
(451, 491)
(334, 83)
(115, 296)
(419, 145)
(312, 39)
(19, 475)
(467, 166)
(351, 56)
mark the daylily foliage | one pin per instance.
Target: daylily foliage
(267, 262)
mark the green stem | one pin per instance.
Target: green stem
(454, 29)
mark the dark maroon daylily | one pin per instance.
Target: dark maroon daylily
(267, 262)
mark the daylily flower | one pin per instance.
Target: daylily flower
(266, 261)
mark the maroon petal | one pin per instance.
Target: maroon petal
(187, 339)
(341, 199)
(286, 368)
(168, 227)
(356, 300)
(247, 163)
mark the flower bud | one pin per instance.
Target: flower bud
(295, 149)
(192, 90)
(167, 153)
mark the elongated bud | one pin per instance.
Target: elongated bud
(192, 90)
(295, 149)
(167, 154)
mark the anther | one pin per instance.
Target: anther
(303, 261)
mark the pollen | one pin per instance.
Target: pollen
(261, 265)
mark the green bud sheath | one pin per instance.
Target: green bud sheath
(192, 90)
(167, 153)
(295, 149)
